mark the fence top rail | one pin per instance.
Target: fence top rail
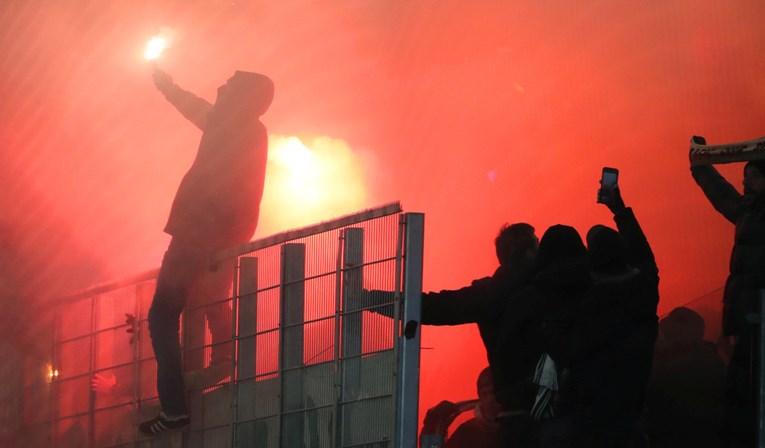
(294, 234)
(272, 240)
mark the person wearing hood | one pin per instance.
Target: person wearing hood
(536, 337)
(616, 332)
(216, 207)
(747, 277)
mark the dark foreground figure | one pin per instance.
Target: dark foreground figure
(685, 392)
(747, 277)
(216, 207)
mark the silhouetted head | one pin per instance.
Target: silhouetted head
(485, 382)
(247, 93)
(516, 244)
(682, 327)
(607, 249)
(488, 402)
(754, 178)
(560, 242)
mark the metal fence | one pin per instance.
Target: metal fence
(308, 338)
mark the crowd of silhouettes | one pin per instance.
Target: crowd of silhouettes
(577, 353)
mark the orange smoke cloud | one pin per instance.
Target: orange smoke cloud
(308, 183)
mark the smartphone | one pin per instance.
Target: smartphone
(608, 181)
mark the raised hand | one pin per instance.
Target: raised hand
(161, 79)
(103, 383)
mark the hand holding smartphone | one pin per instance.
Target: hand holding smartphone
(608, 181)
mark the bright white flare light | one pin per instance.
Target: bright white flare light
(155, 47)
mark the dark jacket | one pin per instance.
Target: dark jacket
(539, 319)
(614, 343)
(481, 303)
(218, 200)
(747, 262)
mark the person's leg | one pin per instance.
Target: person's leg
(212, 296)
(208, 301)
(180, 267)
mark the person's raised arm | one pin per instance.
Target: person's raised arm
(194, 108)
(639, 253)
(723, 196)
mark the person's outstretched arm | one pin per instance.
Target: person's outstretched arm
(723, 196)
(455, 307)
(639, 253)
(194, 108)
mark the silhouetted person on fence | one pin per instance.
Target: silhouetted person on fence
(481, 431)
(615, 334)
(537, 327)
(746, 279)
(684, 395)
(216, 207)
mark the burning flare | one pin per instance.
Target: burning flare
(155, 47)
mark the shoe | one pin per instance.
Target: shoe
(162, 424)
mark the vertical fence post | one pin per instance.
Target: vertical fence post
(292, 412)
(409, 354)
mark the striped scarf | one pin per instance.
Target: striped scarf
(546, 377)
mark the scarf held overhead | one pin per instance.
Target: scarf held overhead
(727, 153)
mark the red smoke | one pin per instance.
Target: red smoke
(474, 113)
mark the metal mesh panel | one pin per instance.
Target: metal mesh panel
(112, 348)
(315, 320)
(74, 320)
(113, 426)
(73, 357)
(260, 433)
(71, 432)
(71, 396)
(361, 425)
(116, 388)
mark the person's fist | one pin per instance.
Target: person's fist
(438, 418)
(161, 79)
(612, 198)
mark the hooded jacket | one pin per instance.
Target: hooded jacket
(218, 201)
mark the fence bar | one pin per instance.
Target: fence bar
(409, 354)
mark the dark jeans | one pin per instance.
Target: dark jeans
(184, 278)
